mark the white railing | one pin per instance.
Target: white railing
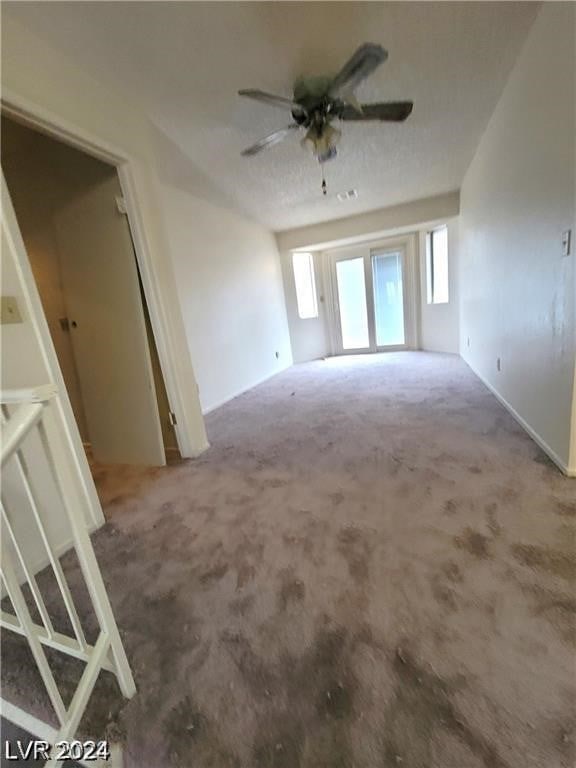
(25, 412)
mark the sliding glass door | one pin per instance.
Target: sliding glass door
(369, 299)
(387, 269)
(353, 311)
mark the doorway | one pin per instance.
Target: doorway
(373, 297)
(71, 214)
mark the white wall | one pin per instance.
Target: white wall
(229, 282)
(440, 323)
(517, 292)
(309, 337)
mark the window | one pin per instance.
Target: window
(437, 266)
(303, 264)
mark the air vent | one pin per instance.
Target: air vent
(352, 194)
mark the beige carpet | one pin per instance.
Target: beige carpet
(373, 566)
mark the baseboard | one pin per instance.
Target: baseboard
(239, 392)
(568, 471)
(440, 351)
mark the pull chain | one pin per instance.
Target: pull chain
(324, 188)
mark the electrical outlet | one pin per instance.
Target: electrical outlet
(566, 242)
(498, 364)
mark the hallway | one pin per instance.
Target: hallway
(373, 565)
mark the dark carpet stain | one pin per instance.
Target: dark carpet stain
(355, 546)
(441, 585)
(165, 626)
(473, 542)
(492, 520)
(309, 699)
(275, 482)
(192, 739)
(328, 648)
(309, 539)
(443, 594)
(241, 605)
(557, 608)
(422, 705)
(292, 590)
(553, 561)
(279, 743)
(565, 508)
(256, 674)
(336, 702)
(214, 574)
(452, 572)
(244, 574)
(541, 458)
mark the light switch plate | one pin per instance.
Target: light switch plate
(566, 242)
(10, 310)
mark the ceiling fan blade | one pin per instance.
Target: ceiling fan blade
(270, 98)
(361, 64)
(391, 111)
(270, 140)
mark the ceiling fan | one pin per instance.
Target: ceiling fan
(320, 100)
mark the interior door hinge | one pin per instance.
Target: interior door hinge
(172, 418)
(121, 205)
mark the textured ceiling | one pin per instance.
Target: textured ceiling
(184, 62)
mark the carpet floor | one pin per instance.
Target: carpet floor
(373, 566)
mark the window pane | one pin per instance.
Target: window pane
(429, 291)
(352, 303)
(303, 265)
(388, 298)
(440, 265)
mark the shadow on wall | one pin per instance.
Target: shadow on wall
(175, 168)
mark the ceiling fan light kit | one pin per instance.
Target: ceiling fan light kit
(318, 101)
(322, 142)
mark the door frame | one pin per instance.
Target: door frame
(410, 288)
(35, 118)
